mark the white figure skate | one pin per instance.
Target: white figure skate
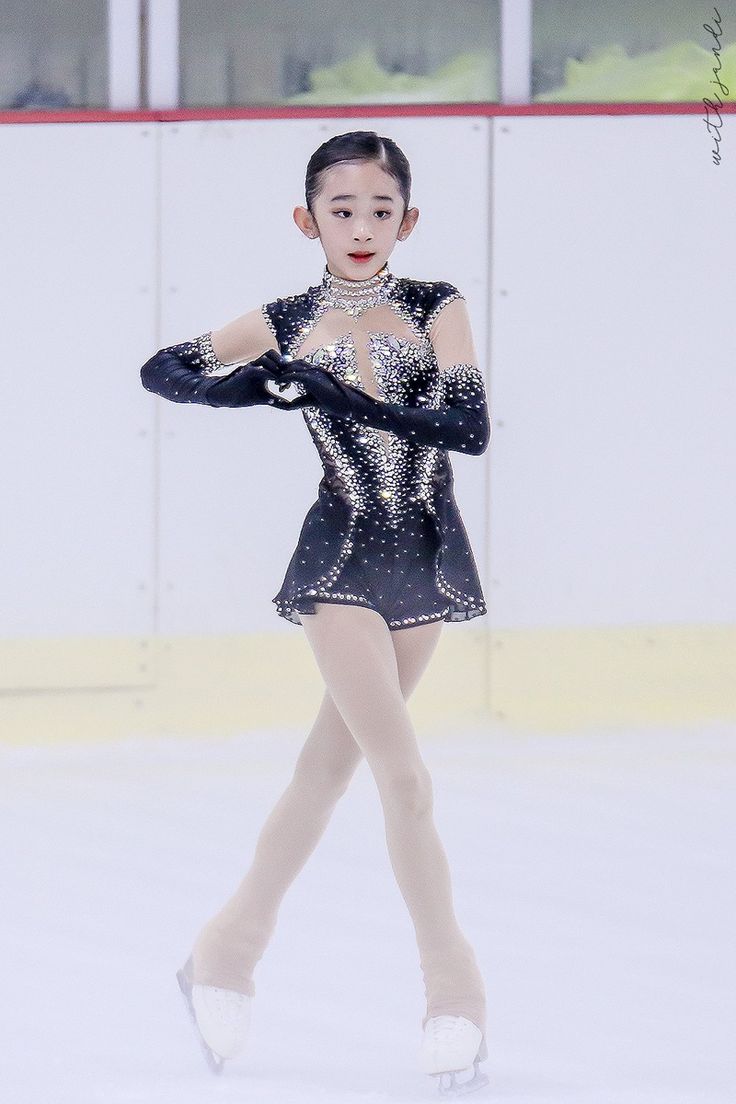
(453, 1045)
(221, 1017)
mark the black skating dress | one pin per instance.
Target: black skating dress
(385, 531)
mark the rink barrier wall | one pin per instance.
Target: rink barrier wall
(549, 680)
(357, 111)
(597, 514)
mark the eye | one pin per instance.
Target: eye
(387, 213)
(342, 211)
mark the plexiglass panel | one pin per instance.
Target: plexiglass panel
(338, 51)
(657, 50)
(53, 55)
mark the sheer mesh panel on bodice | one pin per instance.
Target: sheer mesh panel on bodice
(385, 529)
(407, 346)
(375, 352)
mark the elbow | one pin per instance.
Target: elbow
(148, 382)
(149, 373)
(485, 440)
(480, 438)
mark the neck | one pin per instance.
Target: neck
(382, 274)
(357, 296)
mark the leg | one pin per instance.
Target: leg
(232, 942)
(357, 658)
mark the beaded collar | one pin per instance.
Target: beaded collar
(357, 296)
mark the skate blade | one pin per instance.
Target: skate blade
(450, 1086)
(183, 976)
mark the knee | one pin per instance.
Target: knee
(410, 790)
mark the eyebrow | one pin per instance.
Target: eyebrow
(389, 199)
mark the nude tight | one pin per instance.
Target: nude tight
(369, 674)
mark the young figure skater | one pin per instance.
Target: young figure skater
(385, 372)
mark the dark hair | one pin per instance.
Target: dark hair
(358, 145)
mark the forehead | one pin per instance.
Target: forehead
(363, 179)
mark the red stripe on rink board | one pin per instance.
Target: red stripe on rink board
(352, 111)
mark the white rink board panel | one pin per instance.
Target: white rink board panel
(613, 460)
(236, 484)
(77, 220)
(606, 488)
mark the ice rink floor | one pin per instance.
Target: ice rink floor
(593, 873)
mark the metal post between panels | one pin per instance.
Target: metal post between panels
(162, 76)
(123, 53)
(516, 51)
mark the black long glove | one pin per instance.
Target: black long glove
(246, 386)
(462, 424)
(178, 372)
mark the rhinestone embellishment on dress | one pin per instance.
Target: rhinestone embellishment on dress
(380, 488)
(356, 296)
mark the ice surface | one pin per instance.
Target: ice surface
(593, 873)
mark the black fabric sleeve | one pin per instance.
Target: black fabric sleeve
(184, 372)
(461, 424)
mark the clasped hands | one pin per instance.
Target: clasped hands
(248, 385)
(330, 394)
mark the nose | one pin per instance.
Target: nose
(361, 232)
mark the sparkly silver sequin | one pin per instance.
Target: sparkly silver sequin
(355, 297)
(375, 472)
(387, 493)
(210, 360)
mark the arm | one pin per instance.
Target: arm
(463, 386)
(461, 423)
(192, 370)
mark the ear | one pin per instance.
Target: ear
(305, 221)
(408, 223)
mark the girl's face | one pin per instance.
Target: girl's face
(358, 215)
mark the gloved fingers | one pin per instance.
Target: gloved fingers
(267, 375)
(300, 400)
(296, 376)
(294, 404)
(324, 389)
(287, 376)
(282, 362)
(271, 361)
(267, 383)
(262, 374)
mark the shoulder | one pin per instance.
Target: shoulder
(426, 298)
(286, 314)
(242, 339)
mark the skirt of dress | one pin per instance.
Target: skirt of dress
(389, 569)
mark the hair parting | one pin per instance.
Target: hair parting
(358, 145)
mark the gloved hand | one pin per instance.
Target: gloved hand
(460, 423)
(330, 393)
(246, 385)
